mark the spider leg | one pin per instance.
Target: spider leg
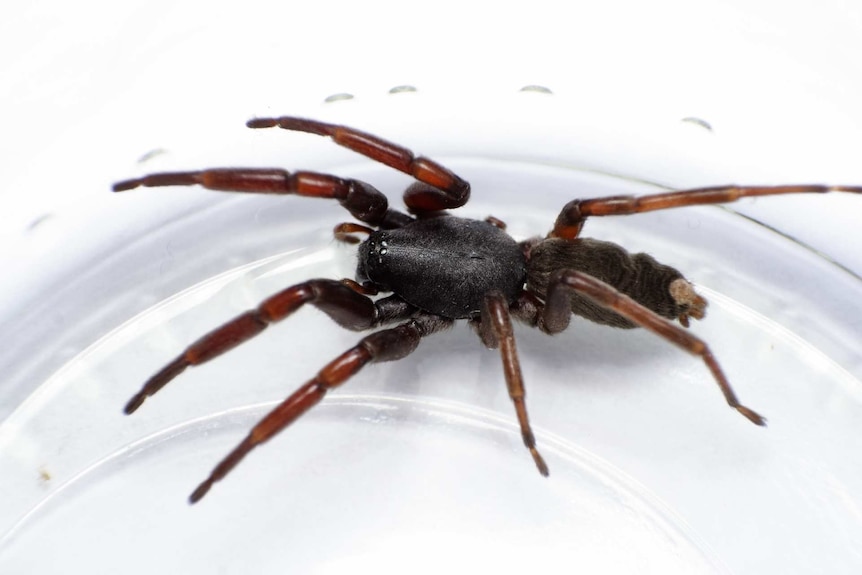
(440, 188)
(572, 217)
(387, 345)
(495, 329)
(345, 232)
(340, 301)
(557, 312)
(362, 200)
(496, 222)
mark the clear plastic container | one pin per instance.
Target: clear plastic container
(418, 465)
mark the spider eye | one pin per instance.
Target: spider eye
(372, 257)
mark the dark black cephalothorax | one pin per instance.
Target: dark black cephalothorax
(444, 265)
(438, 268)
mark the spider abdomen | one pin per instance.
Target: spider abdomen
(639, 276)
(444, 265)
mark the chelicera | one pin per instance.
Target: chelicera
(438, 268)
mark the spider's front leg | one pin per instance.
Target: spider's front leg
(365, 202)
(438, 189)
(573, 215)
(387, 345)
(557, 311)
(343, 304)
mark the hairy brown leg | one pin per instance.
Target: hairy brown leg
(495, 329)
(572, 217)
(387, 345)
(557, 312)
(362, 200)
(345, 305)
(443, 189)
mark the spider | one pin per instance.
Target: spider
(438, 268)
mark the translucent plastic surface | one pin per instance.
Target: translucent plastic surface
(418, 465)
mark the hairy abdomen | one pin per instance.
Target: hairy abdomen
(639, 276)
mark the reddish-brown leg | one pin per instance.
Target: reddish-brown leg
(362, 200)
(496, 222)
(346, 232)
(557, 311)
(572, 217)
(386, 345)
(338, 300)
(495, 330)
(443, 189)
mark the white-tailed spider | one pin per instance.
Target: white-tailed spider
(438, 268)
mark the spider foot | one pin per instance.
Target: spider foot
(224, 467)
(156, 382)
(134, 403)
(540, 462)
(201, 490)
(751, 415)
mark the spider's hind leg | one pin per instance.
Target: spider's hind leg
(557, 309)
